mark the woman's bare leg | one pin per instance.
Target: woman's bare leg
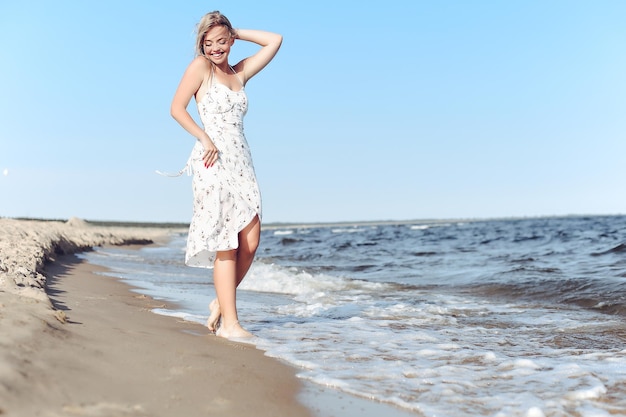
(230, 269)
(225, 280)
(248, 243)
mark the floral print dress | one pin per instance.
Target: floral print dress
(226, 196)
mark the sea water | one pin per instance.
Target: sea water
(520, 317)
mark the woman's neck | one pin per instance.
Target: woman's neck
(225, 68)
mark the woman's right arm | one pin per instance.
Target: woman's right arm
(189, 85)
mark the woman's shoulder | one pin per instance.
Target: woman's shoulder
(199, 68)
(200, 62)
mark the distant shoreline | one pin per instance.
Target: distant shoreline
(355, 223)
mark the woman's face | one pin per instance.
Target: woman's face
(217, 43)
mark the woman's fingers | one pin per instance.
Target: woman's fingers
(210, 157)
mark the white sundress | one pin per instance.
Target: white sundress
(226, 196)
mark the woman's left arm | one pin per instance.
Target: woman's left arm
(270, 43)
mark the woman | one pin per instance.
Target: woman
(225, 228)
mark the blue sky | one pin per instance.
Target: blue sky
(371, 111)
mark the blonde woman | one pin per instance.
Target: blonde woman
(226, 224)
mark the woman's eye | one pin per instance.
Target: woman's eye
(221, 42)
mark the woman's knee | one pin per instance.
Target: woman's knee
(253, 246)
(250, 236)
(249, 245)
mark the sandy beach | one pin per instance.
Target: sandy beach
(75, 343)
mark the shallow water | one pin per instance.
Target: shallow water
(502, 317)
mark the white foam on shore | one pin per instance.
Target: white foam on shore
(273, 279)
(195, 318)
(283, 232)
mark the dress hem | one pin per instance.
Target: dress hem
(211, 254)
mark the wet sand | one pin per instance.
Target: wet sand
(76, 343)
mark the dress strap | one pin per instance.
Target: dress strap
(210, 75)
(236, 76)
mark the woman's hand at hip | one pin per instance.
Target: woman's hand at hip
(210, 154)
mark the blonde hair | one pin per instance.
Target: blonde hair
(209, 21)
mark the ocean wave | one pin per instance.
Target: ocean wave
(598, 295)
(621, 248)
(276, 279)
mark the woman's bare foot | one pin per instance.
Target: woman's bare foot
(214, 317)
(233, 331)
